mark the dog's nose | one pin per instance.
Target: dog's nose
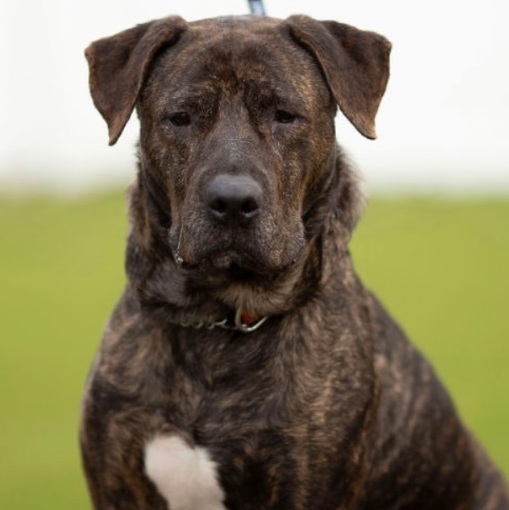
(233, 198)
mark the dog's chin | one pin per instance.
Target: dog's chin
(237, 268)
(231, 267)
(240, 274)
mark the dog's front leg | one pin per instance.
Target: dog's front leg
(112, 444)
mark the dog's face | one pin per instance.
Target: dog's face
(236, 140)
(237, 128)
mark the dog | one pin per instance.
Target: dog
(246, 367)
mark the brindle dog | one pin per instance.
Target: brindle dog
(246, 367)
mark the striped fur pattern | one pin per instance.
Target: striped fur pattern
(325, 406)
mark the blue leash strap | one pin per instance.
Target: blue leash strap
(256, 7)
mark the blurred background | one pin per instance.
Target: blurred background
(433, 244)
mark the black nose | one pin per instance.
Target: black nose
(233, 198)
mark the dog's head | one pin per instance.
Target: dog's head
(237, 145)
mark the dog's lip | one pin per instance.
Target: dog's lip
(231, 265)
(243, 274)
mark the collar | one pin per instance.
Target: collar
(242, 321)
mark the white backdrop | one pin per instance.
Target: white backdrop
(442, 126)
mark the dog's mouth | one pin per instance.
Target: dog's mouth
(235, 267)
(238, 273)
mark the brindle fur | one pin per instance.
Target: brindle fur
(326, 406)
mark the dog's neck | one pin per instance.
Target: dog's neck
(180, 294)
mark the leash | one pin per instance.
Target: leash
(256, 7)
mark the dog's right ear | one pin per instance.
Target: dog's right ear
(118, 65)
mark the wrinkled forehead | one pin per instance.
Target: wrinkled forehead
(234, 55)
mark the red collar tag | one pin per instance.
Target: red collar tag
(247, 318)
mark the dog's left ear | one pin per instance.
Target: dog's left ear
(355, 64)
(118, 65)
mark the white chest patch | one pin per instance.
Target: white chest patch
(185, 476)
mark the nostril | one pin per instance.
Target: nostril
(249, 207)
(218, 206)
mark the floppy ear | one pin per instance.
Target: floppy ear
(118, 65)
(355, 64)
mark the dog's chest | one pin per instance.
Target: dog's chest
(223, 475)
(237, 423)
(226, 445)
(229, 454)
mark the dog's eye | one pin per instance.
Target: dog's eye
(284, 117)
(180, 119)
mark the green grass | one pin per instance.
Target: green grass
(442, 268)
(61, 270)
